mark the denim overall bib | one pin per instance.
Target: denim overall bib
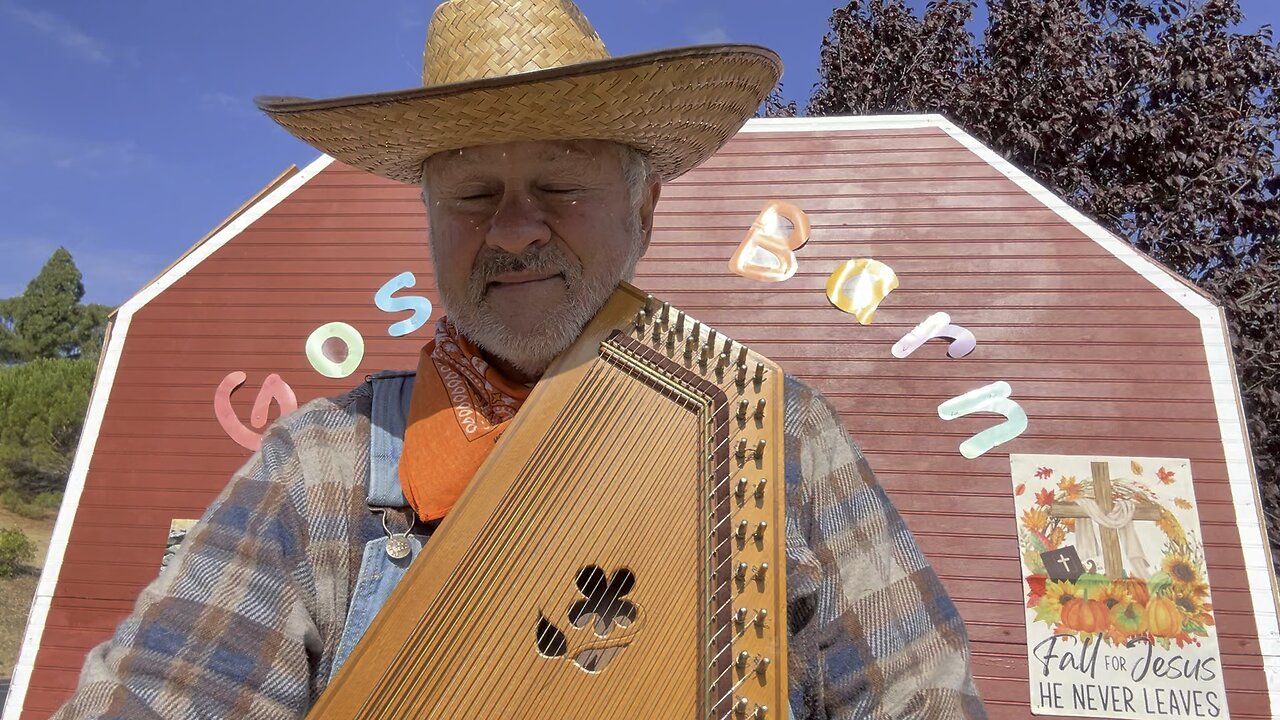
(379, 571)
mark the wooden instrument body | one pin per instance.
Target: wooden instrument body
(617, 555)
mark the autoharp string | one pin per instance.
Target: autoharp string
(709, 525)
(416, 651)
(590, 529)
(718, 472)
(640, 393)
(628, 400)
(568, 423)
(626, 706)
(597, 391)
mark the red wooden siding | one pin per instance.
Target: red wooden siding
(1102, 362)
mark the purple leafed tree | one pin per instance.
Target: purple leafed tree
(1155, 117)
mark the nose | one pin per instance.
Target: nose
(518, 223)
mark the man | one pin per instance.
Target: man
(540, 160)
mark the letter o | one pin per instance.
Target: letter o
(321, 362)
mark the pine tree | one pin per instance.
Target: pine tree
(47, 320)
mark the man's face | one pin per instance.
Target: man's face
(529, 239)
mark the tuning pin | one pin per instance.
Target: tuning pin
(760, 487)
(741, 492)
(722, 363)
(759, 533)
(742, 357)
(761, 615)
(743, 405)
(666, 314)
(742, 376)
(741, 450)
(759, 372)
(649, 302)
(711, 338)
(760, 409)
(760, 571)
(759, 451)
(744, 657)
(697, 330)
(728, 347)
(762, 665)
(741, 572)
(680, 323)
(740, 617)
(742, 530)
(704, 356)
(740, 707)
(761, 711)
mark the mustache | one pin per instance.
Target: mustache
(548, 258)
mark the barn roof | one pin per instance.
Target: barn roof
(1108, 352)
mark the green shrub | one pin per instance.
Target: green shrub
(15, 550)
(42, 407)
(36, 507)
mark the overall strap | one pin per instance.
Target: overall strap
(392, 392)
(383, 563)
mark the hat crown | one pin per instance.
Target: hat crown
(476, 39)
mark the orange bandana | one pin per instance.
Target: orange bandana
(459, 407)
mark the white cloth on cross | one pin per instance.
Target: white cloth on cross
(1119, 519)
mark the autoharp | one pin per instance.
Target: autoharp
(619, 555)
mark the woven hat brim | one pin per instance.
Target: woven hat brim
(680, 106)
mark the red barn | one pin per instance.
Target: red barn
(1106, 352)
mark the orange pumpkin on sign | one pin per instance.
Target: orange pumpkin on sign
(1137, 590)
(1087, 616)
(1163, 617)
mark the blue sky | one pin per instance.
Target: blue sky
(127, 129)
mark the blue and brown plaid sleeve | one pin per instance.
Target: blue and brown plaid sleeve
(240, 624)
(874, 634)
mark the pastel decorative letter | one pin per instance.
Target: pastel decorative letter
(858, 287)
(326, 365)
(768, 251)
(937, 325)
(991, 398)
(420, 305)
(273, 388)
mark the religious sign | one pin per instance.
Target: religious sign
(1118, 612)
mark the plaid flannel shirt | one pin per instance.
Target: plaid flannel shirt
(246, 619)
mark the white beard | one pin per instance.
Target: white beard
(531, 349)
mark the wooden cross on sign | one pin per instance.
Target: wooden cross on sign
(1105, 497)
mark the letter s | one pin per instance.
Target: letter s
(420, 305)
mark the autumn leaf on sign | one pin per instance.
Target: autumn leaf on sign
(1166, 476)
(1044, 497)
(1044, 473)
(1070, 486)
(1019, 490)
(1182, 503)
(1135, 467)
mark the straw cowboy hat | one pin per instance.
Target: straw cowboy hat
(496, 71)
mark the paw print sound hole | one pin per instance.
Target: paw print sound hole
(599, 625)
